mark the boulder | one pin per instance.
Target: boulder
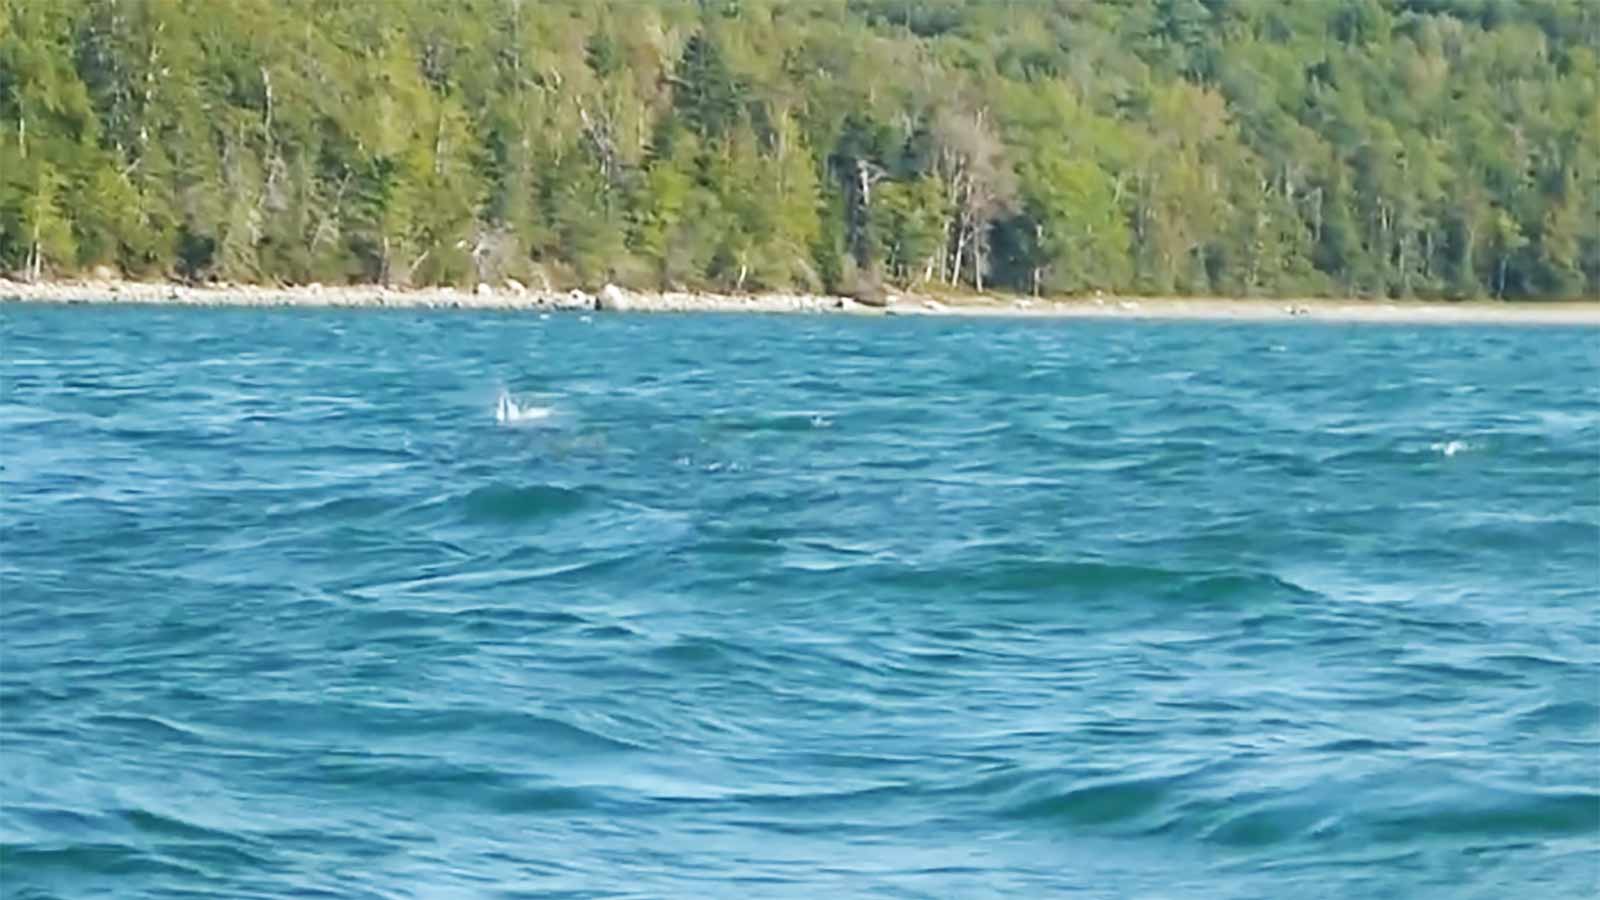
(516, 287)
(612, 299)
(574, 299)
(872, 295)
(484, 290)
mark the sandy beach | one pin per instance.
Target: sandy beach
(516, 297)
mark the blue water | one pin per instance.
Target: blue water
(795, 607)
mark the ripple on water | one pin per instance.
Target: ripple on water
(776, 607)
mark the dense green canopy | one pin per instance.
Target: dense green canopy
(1352, 147)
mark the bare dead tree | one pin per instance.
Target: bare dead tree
(979, 185)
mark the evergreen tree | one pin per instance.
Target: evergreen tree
(1353, 147)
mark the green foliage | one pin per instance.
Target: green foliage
(906, 221)
(705, 95)
(42, 223)
(1437, 148)
(1080, 238)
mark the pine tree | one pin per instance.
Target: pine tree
(1357, 147)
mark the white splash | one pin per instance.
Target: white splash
(1450, 448)
(507, 411)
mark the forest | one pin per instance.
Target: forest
(1351, 148)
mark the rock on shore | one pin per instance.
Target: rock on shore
(510, 296)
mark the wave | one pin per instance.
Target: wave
(1327, 817)
(509, 411)
(153, 728)
(23, 862)
(1403, 450)
(778, 421)
(1100, 804)
(367, 734)
(511, 503)
(1099, 581)
(473, 578)
(1576, 716)
(169, 826)
(1498, 814)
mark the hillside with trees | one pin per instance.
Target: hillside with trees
(1430, 148)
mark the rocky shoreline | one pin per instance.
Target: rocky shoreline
(513, 296)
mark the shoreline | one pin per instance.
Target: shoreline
(514, 297)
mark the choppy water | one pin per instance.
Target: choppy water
(795, 607)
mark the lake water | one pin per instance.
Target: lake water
(293, 605)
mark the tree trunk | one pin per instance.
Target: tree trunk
(35, 256)
(861, 202)
(411, 270)
(950, 268)
(1405, 265)
(266, 83)
(438, 145)
(942, 256)
(977, 261)
(961, 249)
(1467, 264)
(1038, 244)
(327, 229)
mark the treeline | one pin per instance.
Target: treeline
(1439, 148)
